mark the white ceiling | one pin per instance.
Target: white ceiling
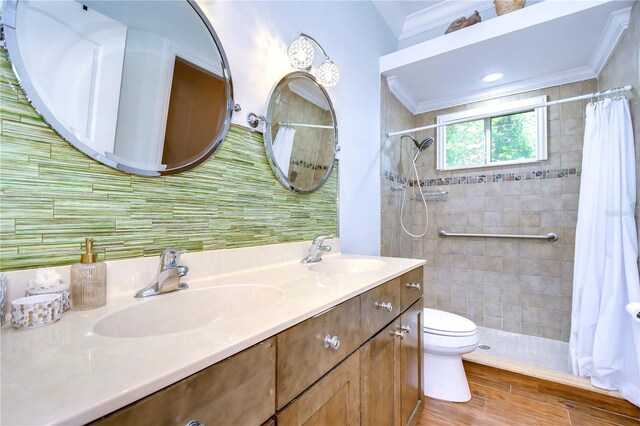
(542, 45)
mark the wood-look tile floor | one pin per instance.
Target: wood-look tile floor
(498, 403)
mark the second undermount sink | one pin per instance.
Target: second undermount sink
(186, 310)
(347, 266)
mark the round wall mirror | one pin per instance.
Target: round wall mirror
(302, 134)
(141, 86)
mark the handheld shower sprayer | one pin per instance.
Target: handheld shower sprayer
(419, 146)
(422, 145)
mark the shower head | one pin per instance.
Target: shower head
(422, 145)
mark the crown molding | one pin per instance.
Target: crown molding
(614, 28)
(395, 87)
(315, 97)
(438, 15)
(564, 77)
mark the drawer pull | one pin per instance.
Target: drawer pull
(398, 333)
(406, 329)
(331, 342)
(385, 306)
(415, 286)
(194, 423)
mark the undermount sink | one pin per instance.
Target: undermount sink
(347, 266)
(185, 310)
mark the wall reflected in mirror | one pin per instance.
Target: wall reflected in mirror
(301, 135)
(142, 86)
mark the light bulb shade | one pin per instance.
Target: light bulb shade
(301, 53)
(328, 74)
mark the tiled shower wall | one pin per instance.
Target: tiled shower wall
(54, 196)
(393, 162)
(521, 286)
(623, 68)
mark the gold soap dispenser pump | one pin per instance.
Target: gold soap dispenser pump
(88, 280)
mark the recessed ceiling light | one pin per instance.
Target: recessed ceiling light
(494, 76)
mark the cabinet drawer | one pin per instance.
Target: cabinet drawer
(237, 391)
(379, 306)
(303, 356)
(411, 287)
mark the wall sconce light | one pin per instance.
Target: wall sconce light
(301, 54)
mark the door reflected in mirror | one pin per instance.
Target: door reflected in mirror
(142, 86)
(301, 135)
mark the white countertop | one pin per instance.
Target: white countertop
(65, 373)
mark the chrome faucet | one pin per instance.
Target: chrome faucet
(168, 277)
(317, 249)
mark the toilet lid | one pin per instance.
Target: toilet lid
(441, 322)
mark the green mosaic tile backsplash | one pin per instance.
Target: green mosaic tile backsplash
(55, 196)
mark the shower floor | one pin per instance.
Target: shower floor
(532, 350)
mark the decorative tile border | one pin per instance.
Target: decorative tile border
(309, 165)
(54, 196)
(488, 177)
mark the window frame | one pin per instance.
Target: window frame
(486, 113)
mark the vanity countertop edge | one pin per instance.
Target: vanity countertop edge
(66, 373)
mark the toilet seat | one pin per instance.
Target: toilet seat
(443, 323)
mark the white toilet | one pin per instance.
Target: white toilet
(446, 338)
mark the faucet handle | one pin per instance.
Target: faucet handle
(320, 239)
(170, 258)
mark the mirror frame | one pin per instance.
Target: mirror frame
(268, 142)
(19, 69)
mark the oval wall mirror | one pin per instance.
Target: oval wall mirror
(302, 134)
(141, 86)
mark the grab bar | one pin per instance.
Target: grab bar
(552, 236)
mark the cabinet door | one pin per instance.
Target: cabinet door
(334, 400)
(380, 373)
(411, 361)
(237, 391)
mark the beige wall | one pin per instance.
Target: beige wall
(393, 165)
(515, 285)
(623, 68)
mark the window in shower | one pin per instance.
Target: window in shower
(493, 136)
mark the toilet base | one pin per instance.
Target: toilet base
(444, 378)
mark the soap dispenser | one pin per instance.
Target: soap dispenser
(88, 281)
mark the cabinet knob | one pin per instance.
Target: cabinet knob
(415, 286)
(331, 342)
(194, 423)
(406, 329)
(385, 306)
(398, 333)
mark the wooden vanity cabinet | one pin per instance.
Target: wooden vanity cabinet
(358, 363)
(240, 390)
(380, 371)
(391, 371)
(334, 400)
(303, 355)
(411, 355)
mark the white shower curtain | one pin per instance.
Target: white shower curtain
(605, 341)
(282, 147)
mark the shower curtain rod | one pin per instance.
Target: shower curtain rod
(313, 126)
(515, 110)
